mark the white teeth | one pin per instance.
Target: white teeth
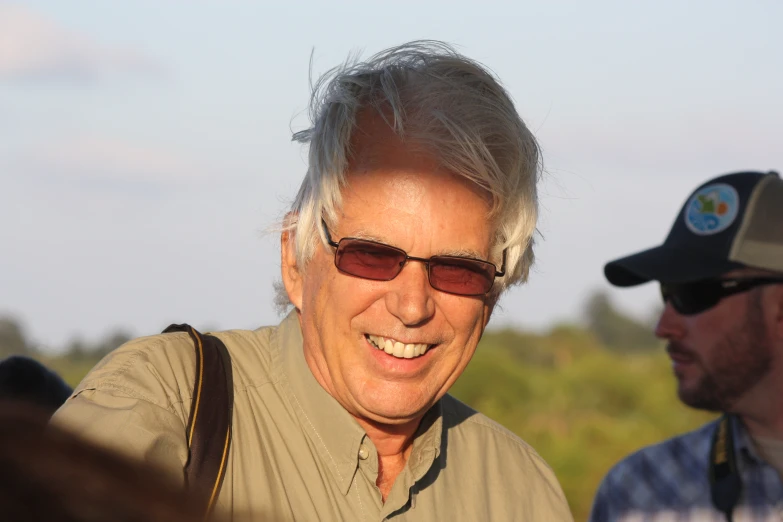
(398, 349)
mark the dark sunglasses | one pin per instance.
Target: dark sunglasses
(380, 262)
(694, 298)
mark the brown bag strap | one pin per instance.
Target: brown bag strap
(209, 426)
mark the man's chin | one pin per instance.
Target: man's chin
(699, 399)
(393, 415)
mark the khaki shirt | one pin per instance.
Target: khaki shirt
(296, 454)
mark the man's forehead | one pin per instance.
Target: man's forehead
(457, 251)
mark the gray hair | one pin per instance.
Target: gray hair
(450, 105)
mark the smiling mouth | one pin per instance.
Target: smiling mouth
(396, 348)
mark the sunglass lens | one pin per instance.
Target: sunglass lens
(461, 276)
(691, 298)
(368, 259)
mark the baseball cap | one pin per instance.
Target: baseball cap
(729, 222)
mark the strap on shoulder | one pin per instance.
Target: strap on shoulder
(725, 480)
(209, 426)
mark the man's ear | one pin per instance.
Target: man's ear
(292, 275)
(489, 307)
(777, 306)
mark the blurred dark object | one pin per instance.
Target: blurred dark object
(49, 474)
(26, 380)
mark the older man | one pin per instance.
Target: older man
(721, 276)
(416, 212)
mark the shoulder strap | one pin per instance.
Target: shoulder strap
(725, 480)
(209, 426)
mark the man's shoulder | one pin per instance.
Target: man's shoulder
(671, 474)
(254, 354)
(477, 446)
(470, 429)
(161, 368)
(460, 416)
(686, 453)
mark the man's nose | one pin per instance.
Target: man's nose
(410, 296)
(670, 324)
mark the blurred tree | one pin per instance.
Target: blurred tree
(615, 329)
(78, 349)
(13, 340)
(109, 343)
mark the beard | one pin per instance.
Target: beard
(737, 364)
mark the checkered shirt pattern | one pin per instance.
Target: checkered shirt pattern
(669, 482)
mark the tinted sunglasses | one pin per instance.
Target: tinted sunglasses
(380, 262)
(699, 296)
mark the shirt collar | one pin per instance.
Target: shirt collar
(426, 445)
(427, 442)
(743, 444)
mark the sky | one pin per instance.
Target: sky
(146, 154)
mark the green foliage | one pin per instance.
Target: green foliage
(71, 370)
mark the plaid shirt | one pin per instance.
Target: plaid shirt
(669, 482)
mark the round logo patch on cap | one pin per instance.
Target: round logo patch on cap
(712, 209)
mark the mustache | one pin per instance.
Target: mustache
(679, 349)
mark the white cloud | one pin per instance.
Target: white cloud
(34, 47)
(110, 161)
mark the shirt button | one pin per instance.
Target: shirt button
(363, 452)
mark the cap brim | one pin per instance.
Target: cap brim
(669, 264)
